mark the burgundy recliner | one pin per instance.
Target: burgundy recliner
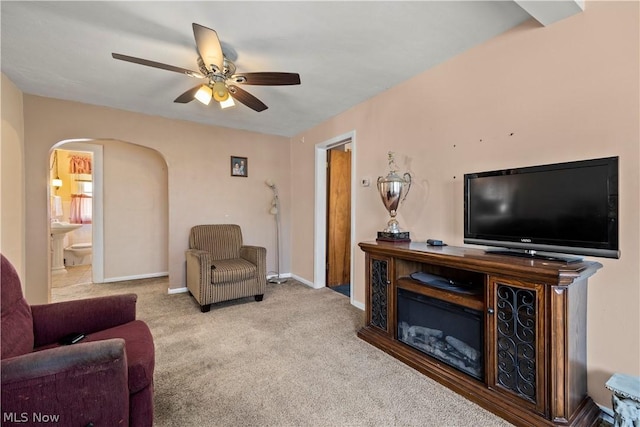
(106, 379)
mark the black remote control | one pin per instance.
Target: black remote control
(71, 338)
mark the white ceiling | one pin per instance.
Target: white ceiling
(345, 52)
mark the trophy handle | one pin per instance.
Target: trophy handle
(407, 178)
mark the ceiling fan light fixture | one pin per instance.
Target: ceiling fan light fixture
(219, 73)
(204, 94)
(220, 92)
(227, 103)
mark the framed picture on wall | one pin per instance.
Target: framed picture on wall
(239, 166)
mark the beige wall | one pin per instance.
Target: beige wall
(136, 210)
(534, 95)
(200, 188)
(12, 200)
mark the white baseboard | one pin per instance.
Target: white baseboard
(135, 277)
(353, 302)
(304, 281)
(285, 275)
(357, 304)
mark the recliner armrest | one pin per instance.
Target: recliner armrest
(73, 385)
(53, 321)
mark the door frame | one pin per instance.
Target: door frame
(338, 162)
(97, 215)
(320, 233)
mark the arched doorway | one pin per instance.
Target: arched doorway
(130, 210)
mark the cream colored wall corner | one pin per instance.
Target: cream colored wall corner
(12, 196)
(533, 95)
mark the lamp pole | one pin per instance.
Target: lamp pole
(275, 210)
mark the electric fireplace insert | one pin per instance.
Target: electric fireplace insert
(448, 332)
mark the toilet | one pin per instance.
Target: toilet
(78, 254)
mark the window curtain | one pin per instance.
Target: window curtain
(80, 209)
(80, 164)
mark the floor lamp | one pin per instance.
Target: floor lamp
(275, 211)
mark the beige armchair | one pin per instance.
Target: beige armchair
(221, 268)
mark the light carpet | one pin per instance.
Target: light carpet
(292, 359)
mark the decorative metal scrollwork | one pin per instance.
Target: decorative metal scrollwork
(516, 334)
(379, 293)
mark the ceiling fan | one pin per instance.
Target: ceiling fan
(219, 73)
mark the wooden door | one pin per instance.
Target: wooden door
(338, 217)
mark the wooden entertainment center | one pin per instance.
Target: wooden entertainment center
(532, 321)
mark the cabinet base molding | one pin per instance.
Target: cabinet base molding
(587, 415)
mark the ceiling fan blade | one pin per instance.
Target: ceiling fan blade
(246, 98)
(268, 78)
(188, 96)
(209, 46)
(157, 65)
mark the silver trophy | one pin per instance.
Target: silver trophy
(393, 190)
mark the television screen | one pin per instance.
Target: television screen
(562, 208)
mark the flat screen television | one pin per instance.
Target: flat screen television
(545, 211)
